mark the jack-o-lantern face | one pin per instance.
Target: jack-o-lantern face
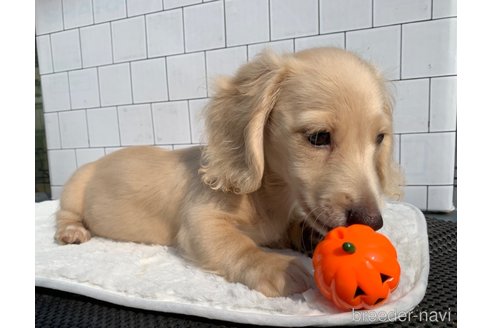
(356, 267)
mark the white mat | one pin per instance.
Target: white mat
(157, 278)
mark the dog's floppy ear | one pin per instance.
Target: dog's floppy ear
(235, 120)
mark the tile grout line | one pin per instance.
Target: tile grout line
(401, 51)
(131, 82)
(59, 130)
(399, 147)
(51, 57)
(252, 44)
(419, 21)
(112, 43)
(93, 15)
(429, 107)
(87, 129)
(269, 22)
(145, 38)
(154, 139)
(69, 90)
(75, 156)
(98, 87)
(129, 104)
(426, 197)
(80, 51)
(189, 120)
(430, 185)
(119, 123)
(225, 23)
(372, 13)
(62, 16)
(167, 79)
(184, 32)
(206, 72)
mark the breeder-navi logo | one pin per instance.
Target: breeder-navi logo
(422, 316)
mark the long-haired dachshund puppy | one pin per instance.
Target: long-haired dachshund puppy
(294, 142)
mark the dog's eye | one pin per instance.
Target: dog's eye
(380, 138)
(320, 139)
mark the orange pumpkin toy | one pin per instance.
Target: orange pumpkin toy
(356, 267)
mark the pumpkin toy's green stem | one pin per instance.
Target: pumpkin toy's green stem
(348, 247)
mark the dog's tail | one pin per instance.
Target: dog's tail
(69, 218)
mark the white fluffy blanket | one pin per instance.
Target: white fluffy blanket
(157, 278)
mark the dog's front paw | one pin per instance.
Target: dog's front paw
(281, 275)
(72, 234)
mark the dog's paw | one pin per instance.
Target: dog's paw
(282, 275)
(72, 234)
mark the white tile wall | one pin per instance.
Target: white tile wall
(56, 192)
(426, 158)
(169, 4)
(411, 111)
(49, 16)
(103, 127)
(96, 45)
(381, 46)
(186, 76)
(88, 155)
(55, 90)
(45, 61)
(65, 47)
(293, 18)
(136, 125)
(429, 48)
(172, 122)
(440, 198)
(84, 88)
(52, 130)
(204, 26)
(62, 164)
(165, 33)
(118, 73)
(247, 21)
(115, 85)
(224, 62)
(77, 13)
(149, 80)
(344, 15)
(73, 129)
(400, 11)
(129, 39)
(416, 195)
(330, 40)
(443, 8)
(139, 7)
(443, 104)
(110, 150)
(197, 123)
(280, 47)
(106, 10)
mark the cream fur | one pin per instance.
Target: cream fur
(258, 182)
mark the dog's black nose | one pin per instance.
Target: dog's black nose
(364, 215)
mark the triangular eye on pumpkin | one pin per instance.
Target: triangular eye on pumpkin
(356, 267)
